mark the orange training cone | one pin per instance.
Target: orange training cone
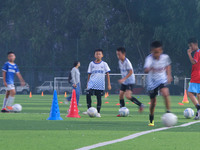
(30, 95)
(73, 110)
(42, 94)
(185, 99)
(65, 94)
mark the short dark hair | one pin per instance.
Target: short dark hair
(156, 44)
(98, 50)
(192, 40)
(10, 52)
(121, 49)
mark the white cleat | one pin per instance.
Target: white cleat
(85, 113)
(98, 115)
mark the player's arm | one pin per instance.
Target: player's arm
(73, 77)
(20, 79)
(169, 73)
(147, 70)
(4, 79)
(108, 78)
(189, 51)
(126, 77)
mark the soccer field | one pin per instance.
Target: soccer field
(30, 129)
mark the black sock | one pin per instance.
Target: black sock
(198, 107)
(122, 103)
(89, 100)
(133, 99)
(168, 111)
(99, 103)
(151, 118)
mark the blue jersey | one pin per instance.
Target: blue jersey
(10, 70)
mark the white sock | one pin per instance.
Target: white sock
(4, 102)
(10, 101)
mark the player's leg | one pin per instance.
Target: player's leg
(5, 102)
(11, 99)
(121, 99)
(198, 97)
(165, 94)
(78, 94)
(89, 94)
(99, 94)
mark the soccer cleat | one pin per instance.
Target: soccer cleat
(9, 108)
(85, 113)
(197, 117)
(141, 108)
(98, 115)
(4, 110)
(151, 123)
(118, 115)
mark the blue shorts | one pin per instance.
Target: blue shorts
(194, 88)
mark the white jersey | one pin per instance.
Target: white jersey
(125, 67)
(157, 74)
(97, 78)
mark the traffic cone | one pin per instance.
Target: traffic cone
(30, 95)
(185, 99)
(73, 110)
(55, 112)
(65, 94)
(42, 94)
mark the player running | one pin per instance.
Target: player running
(128, 80)
(194, 86)
(9, 70)
(158, 67)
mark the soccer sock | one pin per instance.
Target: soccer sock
(133, 99)
(198, 107)
(10, 101)
(99, 103)
(122, 103)
(151, 118)
(89, 100)
(4, 102)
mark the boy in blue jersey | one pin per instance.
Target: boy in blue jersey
(127, 81)
(96, 79)
(9, 70)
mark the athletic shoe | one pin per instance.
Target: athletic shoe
(9, 108)
(118, 115)
(98, 115)
(151, 124)
(141, 108)
(85, 113)
(4, 110)
(197, 117)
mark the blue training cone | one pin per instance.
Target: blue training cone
(55, 112)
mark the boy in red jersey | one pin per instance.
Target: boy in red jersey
(194, 87)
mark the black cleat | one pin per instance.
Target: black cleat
(4, 110)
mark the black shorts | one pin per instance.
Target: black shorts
(126, 87)
(154, 93)
(95, 92)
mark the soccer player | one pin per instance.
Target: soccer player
(96, 80)
(194, 87)
(9, 70)
(158, 67)
(128, 79)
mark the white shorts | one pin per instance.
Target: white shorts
(10, 87)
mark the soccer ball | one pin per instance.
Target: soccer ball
(169, 119)
(123, 112)
(188, 113)
(92, 112)
(17, 107)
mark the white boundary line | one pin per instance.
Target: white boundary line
(134, 136)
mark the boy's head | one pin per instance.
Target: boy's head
(11, 56)
(156, 49)
(98, 54)
(193, 44)
(121, 53)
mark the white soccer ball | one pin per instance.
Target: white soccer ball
(92, 112)
(17, 107)
(188, 113)
(123, 112)
(169, 119)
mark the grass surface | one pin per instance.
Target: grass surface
(30, 129)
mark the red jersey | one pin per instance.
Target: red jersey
(195, 75)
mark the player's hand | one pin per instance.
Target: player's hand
(23, 83)
(109, 87)
(5, 84)
(74, 85)
(189, 51)
(170, 79)
(121, 81)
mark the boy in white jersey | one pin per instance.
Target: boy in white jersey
(96, 79)
(158, 67)
(9, 70)
(128, 79)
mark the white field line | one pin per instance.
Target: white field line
(134, 136)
